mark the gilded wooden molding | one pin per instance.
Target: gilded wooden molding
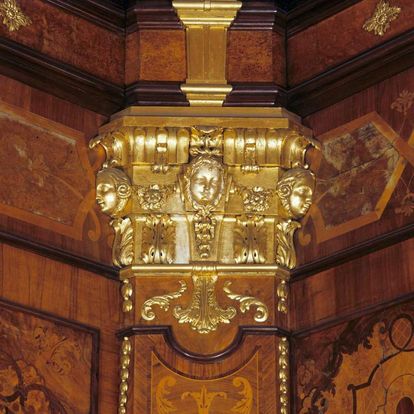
(127, 292)
(125, 361)
(13, 17)
(206, 23)
(284, 375)
(382, 17)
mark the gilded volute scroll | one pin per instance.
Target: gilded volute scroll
(204, 204)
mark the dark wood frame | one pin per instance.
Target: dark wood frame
(167, 333)
(63, 256)
(95, 333)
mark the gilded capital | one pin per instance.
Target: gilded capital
(224, 188)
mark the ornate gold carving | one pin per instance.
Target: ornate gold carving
(250, 239)
(204, 399)
(144, 145)
(125, 361)
(245, 405)
(113, 189)
(253, 148)
(13, 17)
(282, 295)
(255, 199)
(158, 240)
(206, 23)
(126, 292)
(123, 246)
(262, 313)
(295, 190)
(163, 405)
(381, 20)
(206, 141)
(153, 197)
(204, 182)
(285, 247)
(204, 313)
(163, 301)
(284, 375)
(195, 201)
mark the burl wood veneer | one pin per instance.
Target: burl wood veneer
(68, 292)
(70, 39)
(338, 38)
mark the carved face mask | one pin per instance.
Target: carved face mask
(205, 185)
(112, 190)
(106, 196)
(300, 199)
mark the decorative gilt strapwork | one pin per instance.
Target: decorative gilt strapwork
(13, 17)
(381, 20)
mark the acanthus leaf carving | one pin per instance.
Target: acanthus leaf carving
(204, 314)
(123, 245)
(250, 237)
(262, 313)
(158, 240)
(163, 301)
(285, 247)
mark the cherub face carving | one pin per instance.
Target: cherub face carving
(295, 190)
(113, 190)
(204, 182)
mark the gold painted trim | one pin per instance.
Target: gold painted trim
(222, 270)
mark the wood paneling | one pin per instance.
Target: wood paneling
(225, 334)
(382, 99)
(72, 40)
(256, 56)
(360, 367)
(254, 364)
(73, 294)
(85, 125)
(106, 13)
(338, 38)
(47, 363)
(353, 287)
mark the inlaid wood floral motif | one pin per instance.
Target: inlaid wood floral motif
(45, 367)
(235, 393)
(363, 367)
